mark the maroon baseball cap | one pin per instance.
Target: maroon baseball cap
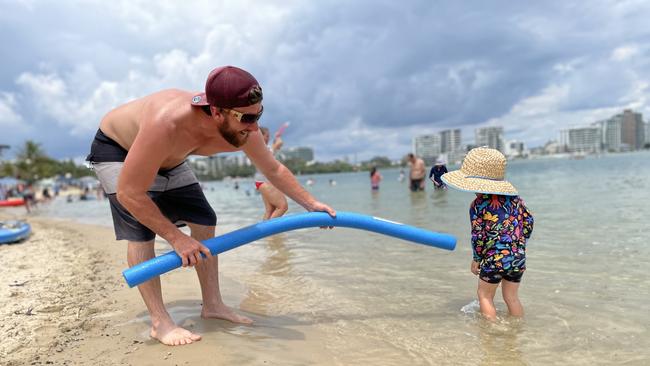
(229, 87)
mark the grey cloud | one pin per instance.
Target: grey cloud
(415, 66)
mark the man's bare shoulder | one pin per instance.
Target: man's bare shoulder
(168, 106)
(168, 97)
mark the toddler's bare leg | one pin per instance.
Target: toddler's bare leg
(510, 291)
(485, 294)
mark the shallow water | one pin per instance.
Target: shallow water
(373, 299)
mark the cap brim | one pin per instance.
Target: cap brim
(459, 180)
(200, 100)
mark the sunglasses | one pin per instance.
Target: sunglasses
(247, 118)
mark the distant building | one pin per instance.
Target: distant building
(553, 147)
(450, 141)
(610, 130)
(455, 157)
(622, 132)
(427, 147)
(491, 137)
(632, 129)
(212, 165)
(585, 140)
(515, 149)
(302, 153)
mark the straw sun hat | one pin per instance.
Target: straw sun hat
(483, 171)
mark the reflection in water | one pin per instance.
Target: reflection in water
(418, 199)
(375, 202)
(499, 342)
(419, 211)
(277, 263)
(439, 197)
(260, 299)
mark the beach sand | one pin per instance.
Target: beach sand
(64, 302)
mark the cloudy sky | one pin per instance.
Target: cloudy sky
(354, 78)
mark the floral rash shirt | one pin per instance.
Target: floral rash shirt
(500, 227)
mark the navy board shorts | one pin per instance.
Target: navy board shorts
(176, 192)
(496, 277)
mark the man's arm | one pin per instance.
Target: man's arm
(147, 153)
(280, 176)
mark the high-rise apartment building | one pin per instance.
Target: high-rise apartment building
(632, 129)
(450, 140)
(610, 132)
(586, 140)
(491, 137)
(427, 147)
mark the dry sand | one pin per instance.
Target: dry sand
(64, 302)
(57, 289)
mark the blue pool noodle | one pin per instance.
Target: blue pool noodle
(144, 271)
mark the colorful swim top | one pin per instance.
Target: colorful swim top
(500, 227)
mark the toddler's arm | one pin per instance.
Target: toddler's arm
(478, 235)
(528, 222)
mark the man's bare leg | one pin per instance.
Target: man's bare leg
(208, 272)
(163, 327)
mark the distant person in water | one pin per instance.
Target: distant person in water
(275, 203)
(436, 172)
(375, 178)
(418, 170)
(501, 225)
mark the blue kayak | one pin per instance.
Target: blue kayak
(12, 231)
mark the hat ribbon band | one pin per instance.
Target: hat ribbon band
(487, 178)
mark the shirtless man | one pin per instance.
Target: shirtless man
(139, 157)
(418, 171)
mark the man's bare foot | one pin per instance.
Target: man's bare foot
(173, 335)
(226, 313)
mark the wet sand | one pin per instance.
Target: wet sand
(64, 302)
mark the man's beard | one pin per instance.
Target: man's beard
(231, 136)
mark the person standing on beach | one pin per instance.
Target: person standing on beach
(138, 155)
(418, 170)
(501, 225)
(275, 203)
(437, 170)
(375, 178)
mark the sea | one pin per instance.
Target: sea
(378, 300)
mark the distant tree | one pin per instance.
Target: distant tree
(7, 170)
(32, 163)
(378, 162)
